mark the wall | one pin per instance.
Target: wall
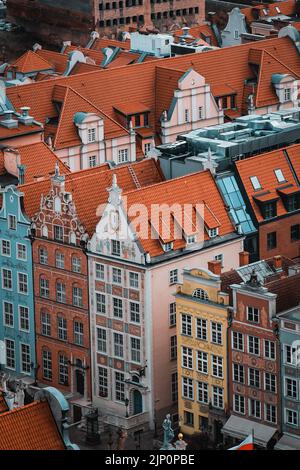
(285, 246)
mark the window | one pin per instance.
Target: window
(63, 372)
(253, 377)
(58, 233)
(116, 276)
(236, 34)
(78, 333)
(216, 332)
(91, 134)
(270, 382)
(191, 239)
(255, 408)
(100, 303)
(119, 386)
(186, 115)
(118, 345)
(291, 388)
(253, 314)
(186, 325)
(8, 314)
(60, 292)
(99, 269)
(115, 248)
(187, 357)
(202, 362)
(117, 307)
(218, 397)
(92, 161)
(21, 251)
(22, 283)
(45, 324)
(173, 276)
(6, 279)
(201, 329)
(102, 382)
(62, 328)
(213, 232)
(220, 257)
(217, 366)
(174, 387)
(5, 248)
(279, 175)
(134, 312)
(295, 232)
(270, 352)
(287, 94)
(255, 183)
(25, 358)
(270, 210)
(290, 354)
(47, 364)
(237, 341)
(101, 340)
(133, 280)
(24, 318)
(239, 404)
(10, 354)
(123, 156)
(167, 246)
(173, 347)
(59, 260)
(135, 349)
(188, 418)
(12, 222)
(77, 296)
(238, 373)
(187, 388)
(271, 240)
(44, 288)
(291, 417)
(292, 203)
(202, 392)
(200, 294)
(172, 314)
(253, 345)
(200, 112)
(43, 255)
(147, 147)
(76, 264)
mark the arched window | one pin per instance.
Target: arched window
(57, 204)
(200, 294)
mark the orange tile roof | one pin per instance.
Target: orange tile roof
(107, 89)
(192, 189)
(132, 108)
(263, 166)
(95, 55)
(89, 188)
(31, 62)
(105, 42)
(286, 8)
(56, 59)
(6, 133)
(293, 152)
(199, 31)
(3, 404)
(30, 427)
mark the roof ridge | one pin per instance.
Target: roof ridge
(21, 408)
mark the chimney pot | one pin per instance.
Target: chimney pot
(277, 262)
(215, 267)
(244, 258)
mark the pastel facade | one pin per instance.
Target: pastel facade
(202, 322)
(17, 326)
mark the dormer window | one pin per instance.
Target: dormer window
(277, 9)
(265, 12)
(287, 94)
(123, 156)
(213, 232)
(270, 210)
(167, 246)
(255, 182)
(279, 175)
(92, 134)
(190, 239)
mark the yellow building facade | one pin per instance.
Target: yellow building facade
(202, 321)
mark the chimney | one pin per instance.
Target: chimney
(244, 258)
(215, 267)
(277, 260)
(8, 121)
(25, 118)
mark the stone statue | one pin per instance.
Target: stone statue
(168, 434)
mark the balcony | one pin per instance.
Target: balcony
(127, 423)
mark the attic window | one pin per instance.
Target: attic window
(200, 294)
(191, 239)
(167, 246)
(255, 182)
(213, 232)
(277, 9)
(265, 12)
(287, 94)
(279, 175)
(92, 134)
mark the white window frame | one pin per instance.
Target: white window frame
(27, 330)
(7, 255)
(25, 251)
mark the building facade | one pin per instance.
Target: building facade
(202, 322)
(17, 325)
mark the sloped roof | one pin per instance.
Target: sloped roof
(30, 427)
(199, 31)
(105, 42)
(56, 59)
(287, 8)
(89, 188)
(263, 167)
(31, 62)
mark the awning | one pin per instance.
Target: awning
(287, 442)
(240, 428)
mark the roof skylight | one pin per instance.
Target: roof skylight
(279, 175)
(255, 182)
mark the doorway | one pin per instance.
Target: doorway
(79, 381)
(137, 402)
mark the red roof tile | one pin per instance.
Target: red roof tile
(31, 62)
(30, 427)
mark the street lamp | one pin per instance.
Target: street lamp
(126, 404)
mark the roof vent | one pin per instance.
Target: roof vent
(25, 118)
(8, 121)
